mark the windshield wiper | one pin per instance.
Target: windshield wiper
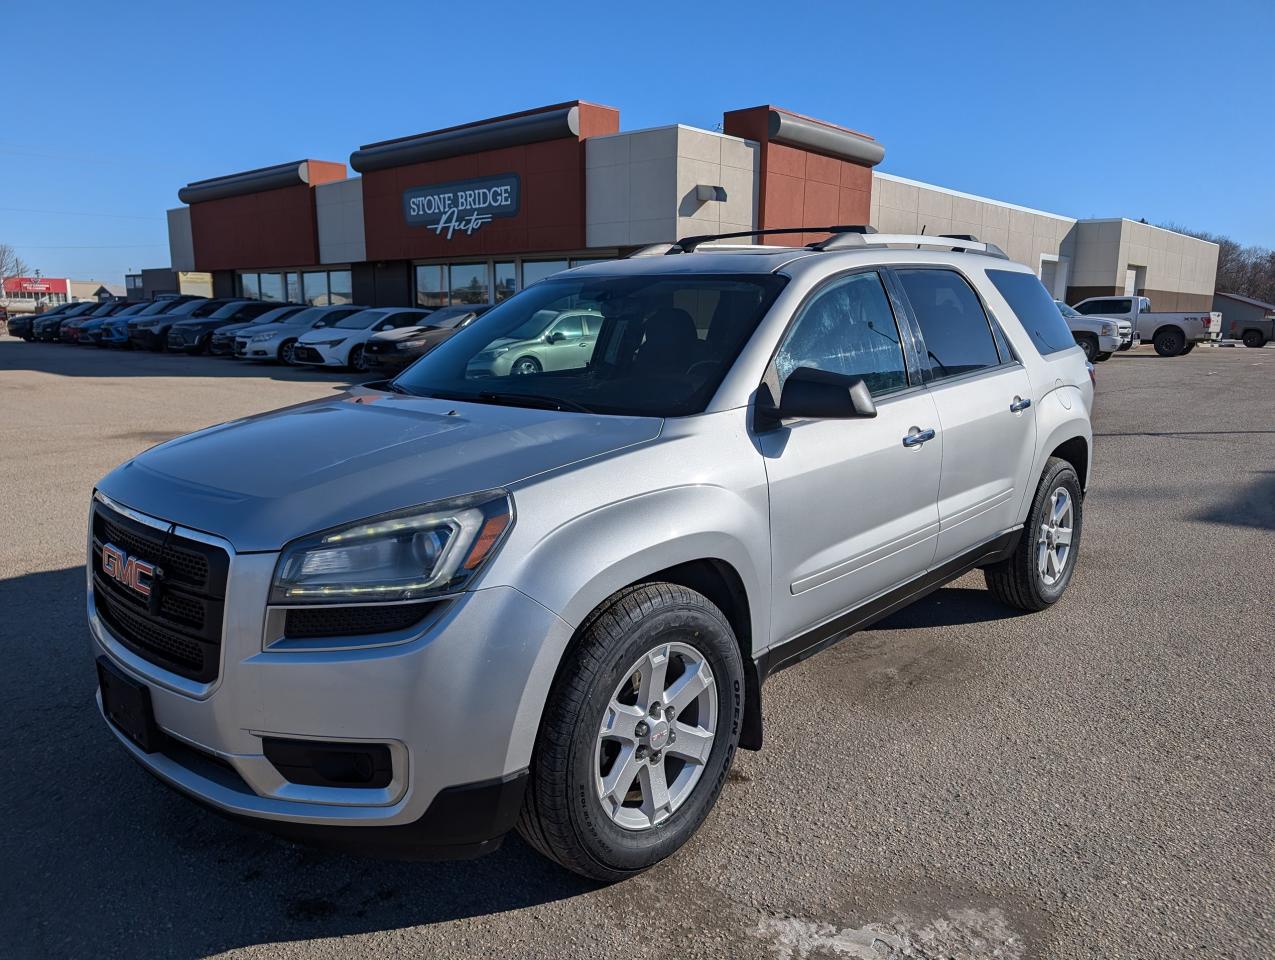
(533, 400)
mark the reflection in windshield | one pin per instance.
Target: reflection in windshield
(359, 321)
(641, 346)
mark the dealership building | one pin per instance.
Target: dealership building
(472, 213)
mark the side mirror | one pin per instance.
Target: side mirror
(820, 395)
(556, 337)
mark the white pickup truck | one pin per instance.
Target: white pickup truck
(1172, 334)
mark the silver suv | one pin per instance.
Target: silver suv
(421, 613)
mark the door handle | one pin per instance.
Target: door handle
(1020, 403)
(918, 438)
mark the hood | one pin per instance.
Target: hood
(404, 333)
(268, 479)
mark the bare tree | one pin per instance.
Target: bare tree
(11, 265)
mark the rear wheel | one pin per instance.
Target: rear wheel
(1040, 568)
(638, 733)
(1089, 344)
(1254, 339)
(288, 353)
(1170, 342)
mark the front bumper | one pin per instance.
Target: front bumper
(319, 355)
(147, 339)
(456, 699)
(264, 350)
(1109, 344)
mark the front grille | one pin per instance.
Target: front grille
(355, 621)
(179, 626)
(308, 355)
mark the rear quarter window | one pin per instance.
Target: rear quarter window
(1035, 310)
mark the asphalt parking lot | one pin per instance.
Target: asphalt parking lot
(1094, 781)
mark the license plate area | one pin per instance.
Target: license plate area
(127, 704)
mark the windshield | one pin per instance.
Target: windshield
(227, 311)
(1065, 310)
(159, 306)
(132, 311)
(361, 320)
(276, 315)
(632, 346)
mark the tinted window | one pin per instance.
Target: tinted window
(360, 320)
(957, 336)
(664, 344)
(849, 329)
(1099, 307)
(1035, 310)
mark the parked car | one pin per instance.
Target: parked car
(69, 332)
(340, 344)
(90, 331)
(459, 604)
(394, 349)
(21, 324)
(546, 342)
(1252, 333)
(222, 343)
(114, 330)
(193, 335)
(1172, 334)
(278, 340)
(150, 332)
(48, 326)
(1099, 337)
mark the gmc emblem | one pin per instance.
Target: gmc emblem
(133, 573)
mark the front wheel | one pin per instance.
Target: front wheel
(638, 734)
(1254, 339)
(526, 366)
(1169, 343)
(1100, 357)
(358, 362)
(288, 353)
(1088, 344)
(1040, 568)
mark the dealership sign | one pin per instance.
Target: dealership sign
(463, 205)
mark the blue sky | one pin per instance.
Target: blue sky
(1156, 110)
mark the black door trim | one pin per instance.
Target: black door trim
(805, 645)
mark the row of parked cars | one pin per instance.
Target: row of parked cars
(338, 335)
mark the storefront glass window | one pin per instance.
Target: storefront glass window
(315, 288)
(505, 283)
(469, 283)
(341, 290)
(272, 287)
(294, 288)
(430, 290)
(533, 270)
(250, 288)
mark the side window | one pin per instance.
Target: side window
(1121, 306)
(569, 327)
(958, 338)
(1035, 310)
(404, 319)
(848, 328)
(1095, 307)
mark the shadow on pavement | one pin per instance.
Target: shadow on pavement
(949, 607)
(71, 360)
(1253, 506)
(100, 859)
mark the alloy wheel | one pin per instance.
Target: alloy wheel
(526, 367)
(656, 736)
(1053, 545)
(287, 352)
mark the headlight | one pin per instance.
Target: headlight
(262, 337)
(1108, 329)
(406, 555)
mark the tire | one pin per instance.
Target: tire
(1102, 357)
(564, 815)
(358, 362)
(1018, 581)
(1170, 342)
(526, 366)
(1089, 344)
(1126, 346)
(1254, 339)
(287, 353)
(1187, 349)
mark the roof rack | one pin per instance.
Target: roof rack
(961, 243)
(688, 244)
(843, 237)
